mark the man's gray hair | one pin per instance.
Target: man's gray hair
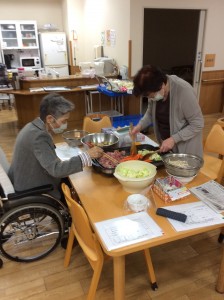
(56, 105)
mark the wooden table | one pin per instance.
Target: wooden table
(103, 198)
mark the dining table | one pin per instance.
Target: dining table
(104, 198)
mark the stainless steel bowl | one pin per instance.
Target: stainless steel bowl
(186, 165)
(103, 140)
(73, 137)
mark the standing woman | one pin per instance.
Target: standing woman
(172, 108)
(35, 162)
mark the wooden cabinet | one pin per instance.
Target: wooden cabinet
(211, 98)
(18, 35)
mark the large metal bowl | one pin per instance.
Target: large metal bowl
(103, 140)
(184, 165)
(73, 137)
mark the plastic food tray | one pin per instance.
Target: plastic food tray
(107, 171)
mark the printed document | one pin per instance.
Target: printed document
(198, 215)
(211, 193)
(123, 231)
(64, 152)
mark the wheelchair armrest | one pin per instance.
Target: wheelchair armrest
(31, 192)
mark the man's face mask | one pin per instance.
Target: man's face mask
(61, 127)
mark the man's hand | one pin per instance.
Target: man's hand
(95, 152)
(167, 145)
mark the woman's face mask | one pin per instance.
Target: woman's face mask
(158, 96)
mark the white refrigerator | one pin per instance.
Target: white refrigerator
(54, 54)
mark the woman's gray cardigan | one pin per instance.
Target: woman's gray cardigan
(186, 119)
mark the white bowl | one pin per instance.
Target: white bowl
(133, 184)
(183, 180)
(137, 202)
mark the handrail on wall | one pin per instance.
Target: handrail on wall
(213, 80)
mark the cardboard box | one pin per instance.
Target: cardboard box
(170, 189)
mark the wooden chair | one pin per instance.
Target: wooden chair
(214, 166)
(87, 240)
(95, 122)
(220, 121)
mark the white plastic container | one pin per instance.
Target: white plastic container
(138, 202)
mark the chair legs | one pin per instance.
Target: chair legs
(150, 268)
(221, 236)
(68, 251)
(220, 281)
(95, 280)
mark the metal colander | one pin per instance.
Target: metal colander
(183, 165)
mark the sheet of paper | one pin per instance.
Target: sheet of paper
(37, 89)
(64, 152)
(88, 87)
(127, 230)
(56, 88)
(198, 215)
(211, 193)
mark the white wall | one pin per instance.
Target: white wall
(213, 41)
(42, 11)
(101, 15)
(73, 16)
(90, 17)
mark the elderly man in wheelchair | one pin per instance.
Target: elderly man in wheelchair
(32, 222)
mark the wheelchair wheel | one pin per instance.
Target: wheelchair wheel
(30, 232)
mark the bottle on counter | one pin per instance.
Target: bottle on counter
(21, 73)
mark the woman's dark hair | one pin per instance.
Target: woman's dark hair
(148, 79)
(55, 105)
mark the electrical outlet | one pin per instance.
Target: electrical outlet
(209, 60)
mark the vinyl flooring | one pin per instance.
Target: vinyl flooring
(185, 270)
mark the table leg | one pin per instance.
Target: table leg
(220, 282)
(119, 277)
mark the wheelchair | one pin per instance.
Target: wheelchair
(32, 222)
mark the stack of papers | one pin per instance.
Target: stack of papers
(127, 230)
(211, 193)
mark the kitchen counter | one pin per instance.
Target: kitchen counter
(27, 102)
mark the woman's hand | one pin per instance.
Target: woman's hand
(95, 152)
(136, 130)
(167, 145)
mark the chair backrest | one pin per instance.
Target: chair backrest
(215, 140)
(220, 121)
(95, 122)
(83, 230)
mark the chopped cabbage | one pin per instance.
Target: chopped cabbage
(132, 173)
(155, 156)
